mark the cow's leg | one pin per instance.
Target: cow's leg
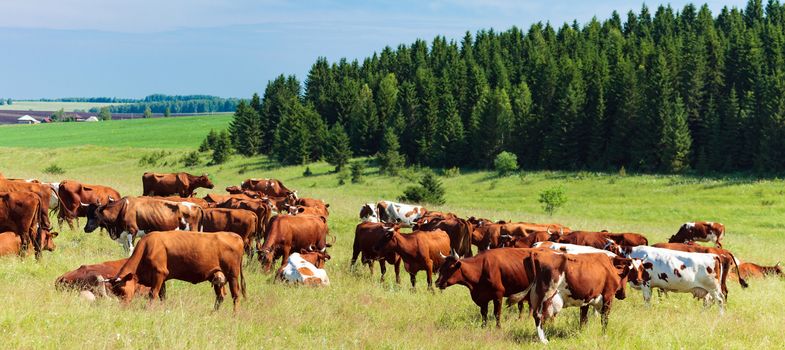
(162, 292)
(646, 291)
(397, 266)
(540, 331)
(413, 278)
(484, 313)
(155, 290)
(584, 315)
(520, 309)
(497, 311)
(382, 268)
(234, 288)
(606, 310)
(218, 281)
(355, 254)
(285, 256)
(429, 274)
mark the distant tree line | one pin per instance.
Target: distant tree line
(662, 92)
(165, 104)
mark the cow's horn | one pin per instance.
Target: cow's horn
(561, 231)
(323, 250)
(548, 230)
(506, 236)
(778, 263)
(111, 199)
(84, 205)
(442, 255)
(454, 253)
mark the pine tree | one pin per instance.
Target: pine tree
(292, 137)
(523, 124)
(449, 143)
(167, 112)
(387, 104)
(222, 148)
(363, 123)
(390, 160)
(278, 95)
(492, 122)
(338, 148)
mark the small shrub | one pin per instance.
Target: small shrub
(429, 191)
(152, 159)
(552, 199)
(622, 171)
(767, 202)
(357, 172)
(451, 172)
(343, 175)
(307, 172)
(191, 159)
(505, 163)
(222, 148)
(54, 169)
(409, 174)
(242, 170)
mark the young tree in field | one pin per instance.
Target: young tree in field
(167, 112)
(105, 114)
(148, 113)
(222, 148)
(338, 150)
(390, 160)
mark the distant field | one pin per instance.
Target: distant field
(357, 311)
(53, 106)
(180, 132)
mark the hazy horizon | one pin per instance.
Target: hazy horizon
(91, 48)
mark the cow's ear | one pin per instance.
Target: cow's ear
(648, 265)
(458, 264)
(327, 205)
(183, 178)
(300, 209)
(54, 234)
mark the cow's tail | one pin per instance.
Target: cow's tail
(37, 220)
(722, 265)
(242, 278)
(530, 268)
(742, 282)
(466, 238)
(65, 214)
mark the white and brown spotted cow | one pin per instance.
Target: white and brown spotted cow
(405, 215)
(701, 231)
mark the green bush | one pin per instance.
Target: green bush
(429, 191)
(451, 172)
(357, 172)
(191, 159)
(505, 163)
(552, 199)
(307, 172)
(54, 169)
(343, 175)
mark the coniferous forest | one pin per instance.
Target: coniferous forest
(668, 90)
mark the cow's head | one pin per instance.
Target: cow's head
(203, 181)
(94, 221)
(315, 257)
(613, 247)
(450, 272)
(266, 256)
(47, 240)
(124, 287)
(368, 213)
(777, 270)
(389, 237)
(104, 216)
(629, 270)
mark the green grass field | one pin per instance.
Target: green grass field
(357, 311)
(53, 106)
(170, 133)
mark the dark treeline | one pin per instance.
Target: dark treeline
(662, 92)
(159, 103)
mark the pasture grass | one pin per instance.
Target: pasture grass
(357, 311)
(53, 106)
(174, 133)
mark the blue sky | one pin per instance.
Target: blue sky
(122, 48)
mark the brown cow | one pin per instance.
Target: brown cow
(270, 187)
(301, 210)
(94, 278)
(485, 233)
(195, 200)
(187, 256)
(11, 243)
(131, 216)
(419, 250)
(459, 230)
(242, 222)
(318, 204)
(366, 234)
(20, 212)
(259, 207)
(213, 200)
(597, 240)
(627, 238)
(528, 240)
(75, 196)
(490, 276)
(43, 191)
(750, 270)
(288, 233)
(564, 280)
(726, 257)
(181, 184)
(701, 231)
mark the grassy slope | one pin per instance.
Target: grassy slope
(357, 311)
(53, 106)
(180, 133)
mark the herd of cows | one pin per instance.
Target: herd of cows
(184, 237)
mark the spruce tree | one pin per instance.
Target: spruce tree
(390, 160)
(338, 148)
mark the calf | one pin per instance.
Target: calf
(490, 276)
(701, 274)
(366, 235)
(187, 256)
(241, 222)
(419, 250)
(701, 231)
(584, 280)
(298, 270)
(94, 278)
